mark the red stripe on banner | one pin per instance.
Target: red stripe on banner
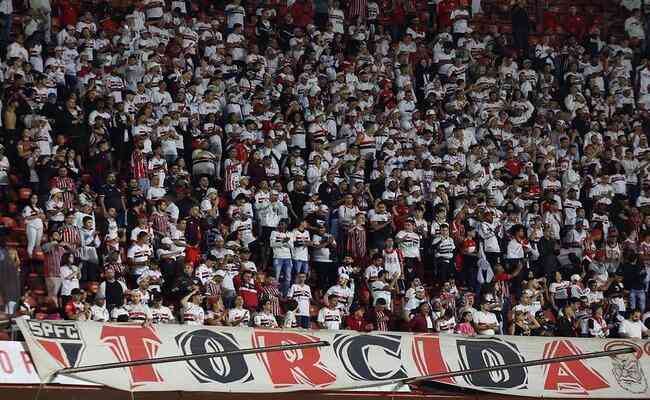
(54, 350)
(428, 357)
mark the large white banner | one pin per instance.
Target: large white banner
(375, 361)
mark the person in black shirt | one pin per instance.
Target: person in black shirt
(286, 32)
(199, 192)
(567, 323)
(328, 191)
(520, 27)
(634, 278)
(111, 196)
(112, 289)
(299, 197)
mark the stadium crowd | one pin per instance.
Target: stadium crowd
(361, 164)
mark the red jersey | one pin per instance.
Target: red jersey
(444, 13)
(302, 13)
(138, 167)
(72, 309)
(551, 21)
(513, 166)
(575, 25)
(248, 291)
(68, 13)
(355, 324)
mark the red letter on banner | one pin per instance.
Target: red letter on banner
(428, 357)
(5, 363)
(570, 376)
(27, 362)
(292, 367)
(130, 343)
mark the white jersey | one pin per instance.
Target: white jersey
(138, 312)
(302, 295)
(290, 320)
(393, 262)
(99, 314)
(265, 320)
(409, 243)
(193, 314)
(330, 318)
(162, 315)
(300, 250)
(345, 296)
(241, 314)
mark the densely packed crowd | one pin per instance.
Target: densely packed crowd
(361, 164)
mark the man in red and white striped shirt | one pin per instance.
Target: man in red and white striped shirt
(160, 221)
(357, 9)
(380, 316)
(139, 167)
(70, 234)
(54, 251)
(66, 185)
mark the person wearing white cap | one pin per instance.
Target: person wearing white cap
(55, 208)
(576, 289)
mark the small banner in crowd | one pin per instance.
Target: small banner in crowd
(375, 361)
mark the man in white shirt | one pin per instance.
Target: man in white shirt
(490, 231)
(281, 243)
(235, 14)
(98, 311)
(265, 318)
(409, 243)
(44, 8)
(137, 310)
(329, 317)
(301, 293)
(460, 17)
(633, 327)
(161, 314)
(485, 321)
(300, 251)
(139, 253)
(382, 288)
(634, 26)
(193, 313)
(644, 79)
